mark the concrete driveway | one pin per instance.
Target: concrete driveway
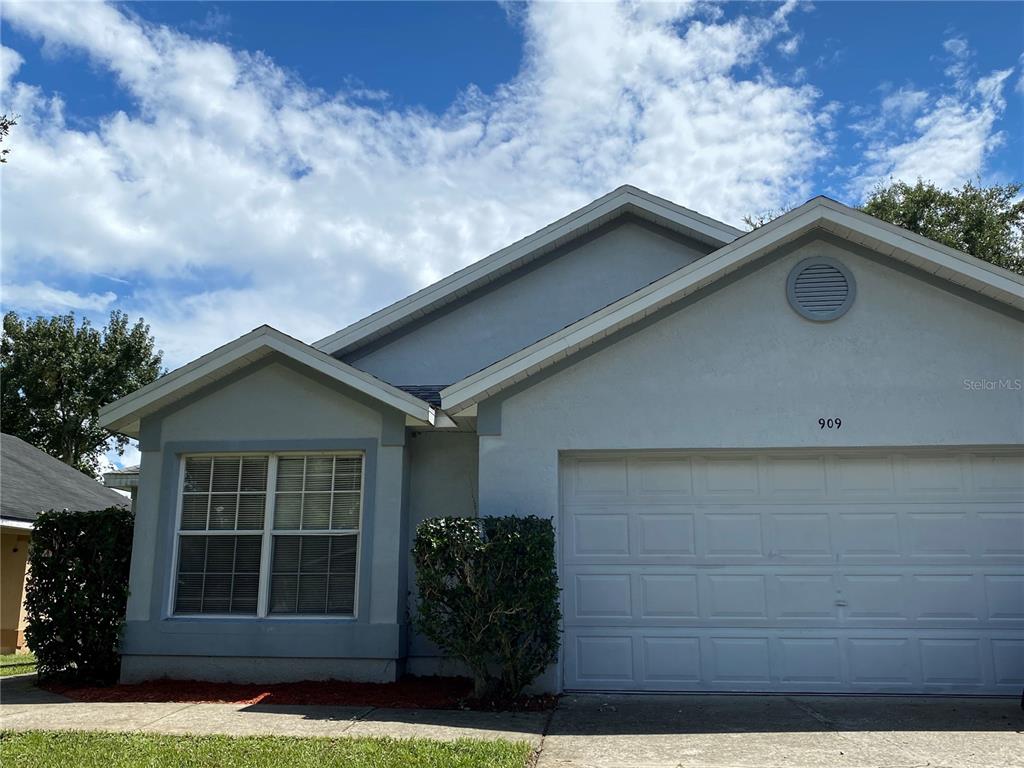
(791, 731)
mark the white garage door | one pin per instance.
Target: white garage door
(782, 571)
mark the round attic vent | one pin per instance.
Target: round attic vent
(820, 288)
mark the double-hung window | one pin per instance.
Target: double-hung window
(269, 534)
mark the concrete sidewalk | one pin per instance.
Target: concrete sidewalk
(594, 731)
(24, 707)
(707, 731)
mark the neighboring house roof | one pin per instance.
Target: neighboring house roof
(33, 481)
(124, 478)
(997, 284)
(124, 415)
(625, 200)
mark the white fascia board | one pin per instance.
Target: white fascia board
(249, 348)
(996, 283)
(7, 522)
(621, 200)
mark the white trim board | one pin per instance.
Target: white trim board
(124, 415)
(988, 280)
(625, 199)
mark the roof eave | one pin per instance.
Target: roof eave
(124, 415)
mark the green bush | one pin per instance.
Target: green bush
(488, 595)
(76, 592)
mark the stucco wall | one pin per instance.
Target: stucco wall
(527, 305)
(740, 369)
(443, 482)
(13, 558)
(274, 406)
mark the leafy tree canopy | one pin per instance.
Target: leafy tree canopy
(6, 123)
(986, 222)
(55, 375)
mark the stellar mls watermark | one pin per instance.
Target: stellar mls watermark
(993, 385)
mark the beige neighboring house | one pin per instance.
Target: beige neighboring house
(31, 482)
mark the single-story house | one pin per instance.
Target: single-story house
(125, 480)
(33, 481)
(790, 459)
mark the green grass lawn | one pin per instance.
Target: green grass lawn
(60, 749)
(17, 664)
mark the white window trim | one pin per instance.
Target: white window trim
(267, 533)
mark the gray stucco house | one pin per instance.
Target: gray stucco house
(784, 460)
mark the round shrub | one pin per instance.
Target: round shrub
(488, 595)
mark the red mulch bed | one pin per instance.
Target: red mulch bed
(407, 693)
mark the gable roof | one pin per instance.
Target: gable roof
(34, 481)
(854, 226)
(622, 201)
(124, 415)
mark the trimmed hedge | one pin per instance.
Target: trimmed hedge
(77, 591)
(488, 595)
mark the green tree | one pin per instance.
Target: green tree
(55, 375)
(986, 222)
(6, 123)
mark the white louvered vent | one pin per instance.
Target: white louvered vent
(820, 289)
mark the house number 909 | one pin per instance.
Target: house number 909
(830, 423)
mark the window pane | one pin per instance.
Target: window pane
(348, 471)
(287, 511)
(254, 473)
(346, 510)
(316, 511)
(217, 593)
(212, 500)
(218, 574)
(283, 593)
(341, 594)
(313, 574)
(286, 554)
(192, 557)
(197, 475)
(312, 594)
(248, 550)
(289, 473)
(314, 554)
(223, 507)
(193, 512)
(251, 508)
(189, 593)
(226, 473)
(244, 596)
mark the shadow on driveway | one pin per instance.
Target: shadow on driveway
(656, 714)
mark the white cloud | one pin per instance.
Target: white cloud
(944, 138)
(39, 297)
(791, 46)
(10, 63)
(238, 195)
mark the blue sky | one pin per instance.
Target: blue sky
(214, 166)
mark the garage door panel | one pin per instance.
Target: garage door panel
(665, 534)
(773, 660)
(804, 597)
(800, 535)
(1008, 660)
(732, 535)
(1000, 534)
(763, 571)
(790, 476)
(668, 596)
(1004, 598)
